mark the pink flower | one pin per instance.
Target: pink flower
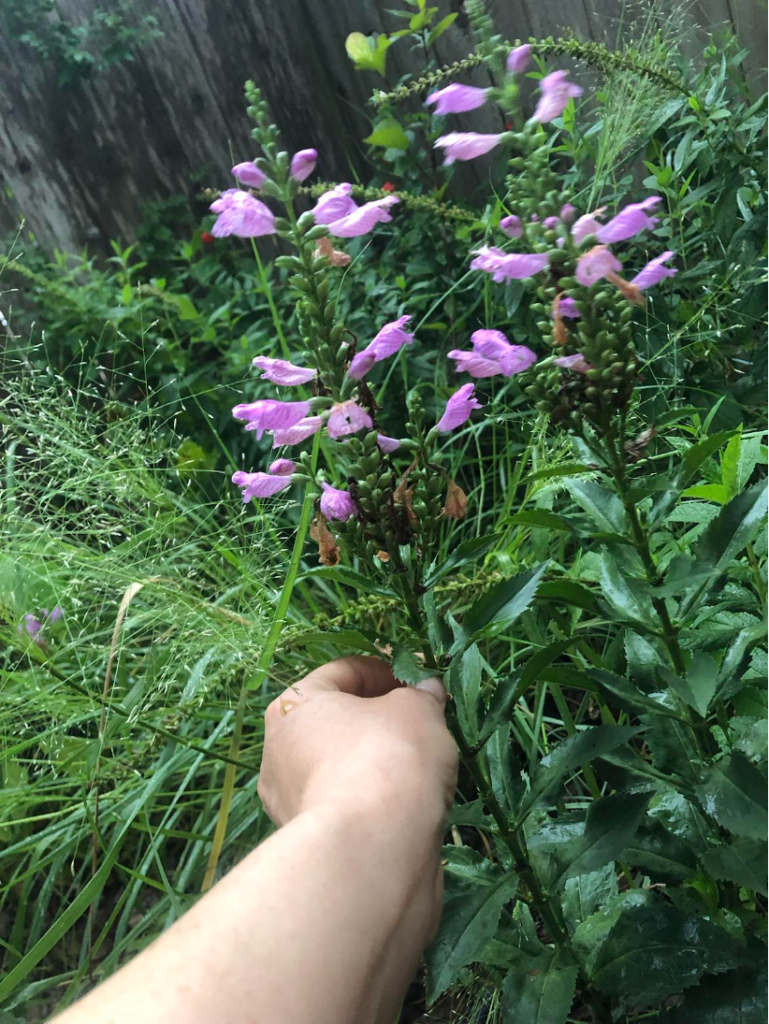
(362, 219)
(337, 504)
(507, 266)
(595, 264)
(361, 364)
(281, 371)
(455, 99)
(242, 215)
(269, 414)
(249, 174)
(282, 467)
(260, 485)
(568, 307)
(654, 271)
(567, 213)
(335, 204)
(458, 409)
(512, 226)
(550, 222)
(387, 444)
(347, 418)
(390, 339)
(577, 363)
(465, 145)
(518, 59)
(303, 164)
(474, 364)
(31, 626)
(556, 93)
(493, 354)
(629, 222)
(299, 432)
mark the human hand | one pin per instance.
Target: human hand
(349, 733)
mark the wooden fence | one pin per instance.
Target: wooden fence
(80, 161)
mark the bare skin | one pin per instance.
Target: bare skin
(325, 922)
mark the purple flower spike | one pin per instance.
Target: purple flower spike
(249, 174)
(512, 226)
(556, 93)
(507, 266)
(303, 164)
(596, 264)
(455, 99)
(282, 467)
(567, 213)
(299, 432)
(458, 409)
(576, 363)
(518, 59)
(654, 271)
(629, 222)
(362, 219)
(465, 145)
(387, 444)
(281, 371)
(337, 504)
(335, 204)
(347, 418)
(242, 215)
(269, 414)
(260, 485)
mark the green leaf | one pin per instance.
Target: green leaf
(736, 659)
(733, 792)
(441, 27)
(341, 574)
(664, 856)
(469, 814)
(469, 922)
(351, 638)
(555, 471)
(439, 633)
(629, 598)
(603, 507)
(406, 668)
(628, 696)
(368, 53)
(540, 517)
(591, 935)
(504, 770)
(688, 466)
(540, 989)
(468, 551)
(611, 823)
(569, 593)
(501, 605)
(465, 687)
(744, 861)
(738, 997)
(654, 951)
(506, 695)
(388, 133)
(585, 893)
(698, 688)
(643, 660)
(186, 308)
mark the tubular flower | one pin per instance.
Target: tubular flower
(242, 215)
(654, 271)
(596, 264)
(587, 224)
(465, 145)
(362, 219)
(556, 91)
(577, 363)
(387, 444)
(390, 339)
(282, 467)
(31, 626)
(458, 409)
(518, 59)
(335, 204)
(361, 364)
(512, 226)
(474, 364)
(455, 99)
(493, 345)
(567, 213)
(566, 307)
(347, 418)
(281, 371)
(299, 432)
(337, 504)
(249, 174)
(505, 266)
(629, 222)
(269, 414)
(550, 222)
(303, 164)
(260, 485)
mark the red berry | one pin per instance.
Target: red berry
(207, 238)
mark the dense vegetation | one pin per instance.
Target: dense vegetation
(605, 588)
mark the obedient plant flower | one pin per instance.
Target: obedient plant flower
(362, 219)
(282, 467)
(493, 354)
(31, 625)
(334, 204)
(550, 222)
(512, 226)
(281, 371)
(299, 432)
(596, 264)
(518, 59)
(465, 145)
(337, 504)
(387, 444)
(458, 409)
(303, 164)
(654, 272)
(629, 222)
(260, 485)
(347, 418)
(390, 339)
(567, 307)
(567, 213)
(242, 215)
(249, 174)
(505, 266)
(455, 99)
(577, 363)
(587, 224)
(556, 90)
(269, 414)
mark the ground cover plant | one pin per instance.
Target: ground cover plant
(531, 499)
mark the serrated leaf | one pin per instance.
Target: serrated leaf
(733, 791)
(468, 551)
(698, 687)
(469, 922)
(629, 598)
(350, 638)
(603, 506)
(743, 861)
(585, 893)
(439, 633)
(665, 857)
(690, 463)
(643, 660)
(611, 823)
(505, 772)
(540, 517)
(590, 936)
(570, 593)
(407, 668)
(501, 605)
(465, 687)
(738, 997)
(540, 989)
(629, 697)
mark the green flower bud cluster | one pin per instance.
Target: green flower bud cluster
(424, 204)
(382, 525)
(533, 186)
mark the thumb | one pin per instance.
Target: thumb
(434, 686)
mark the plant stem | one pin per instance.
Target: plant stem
(262, 668)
